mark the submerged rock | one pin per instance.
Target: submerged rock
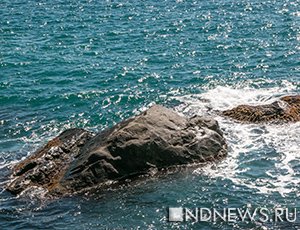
(286, 109)
(156, 139)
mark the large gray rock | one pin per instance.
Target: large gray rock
(156, 139)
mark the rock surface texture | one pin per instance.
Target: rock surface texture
(287, 109)
(156, 139)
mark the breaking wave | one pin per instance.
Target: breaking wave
(261, 157)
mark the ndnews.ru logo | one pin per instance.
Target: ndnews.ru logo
(180, 214)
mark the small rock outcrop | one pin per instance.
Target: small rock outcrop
(286, 109)
(156, 139)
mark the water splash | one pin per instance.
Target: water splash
(261, 157)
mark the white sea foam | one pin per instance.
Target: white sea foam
(276, 147)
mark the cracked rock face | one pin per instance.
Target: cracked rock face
(156, 139)
(287, 109)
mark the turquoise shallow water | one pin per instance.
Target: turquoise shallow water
(92, 64)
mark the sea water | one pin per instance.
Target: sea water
(92, 64)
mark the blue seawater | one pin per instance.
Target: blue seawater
(91, 64)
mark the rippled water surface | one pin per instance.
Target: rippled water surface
(92, 64)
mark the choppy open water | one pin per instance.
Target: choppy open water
(92, 64)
